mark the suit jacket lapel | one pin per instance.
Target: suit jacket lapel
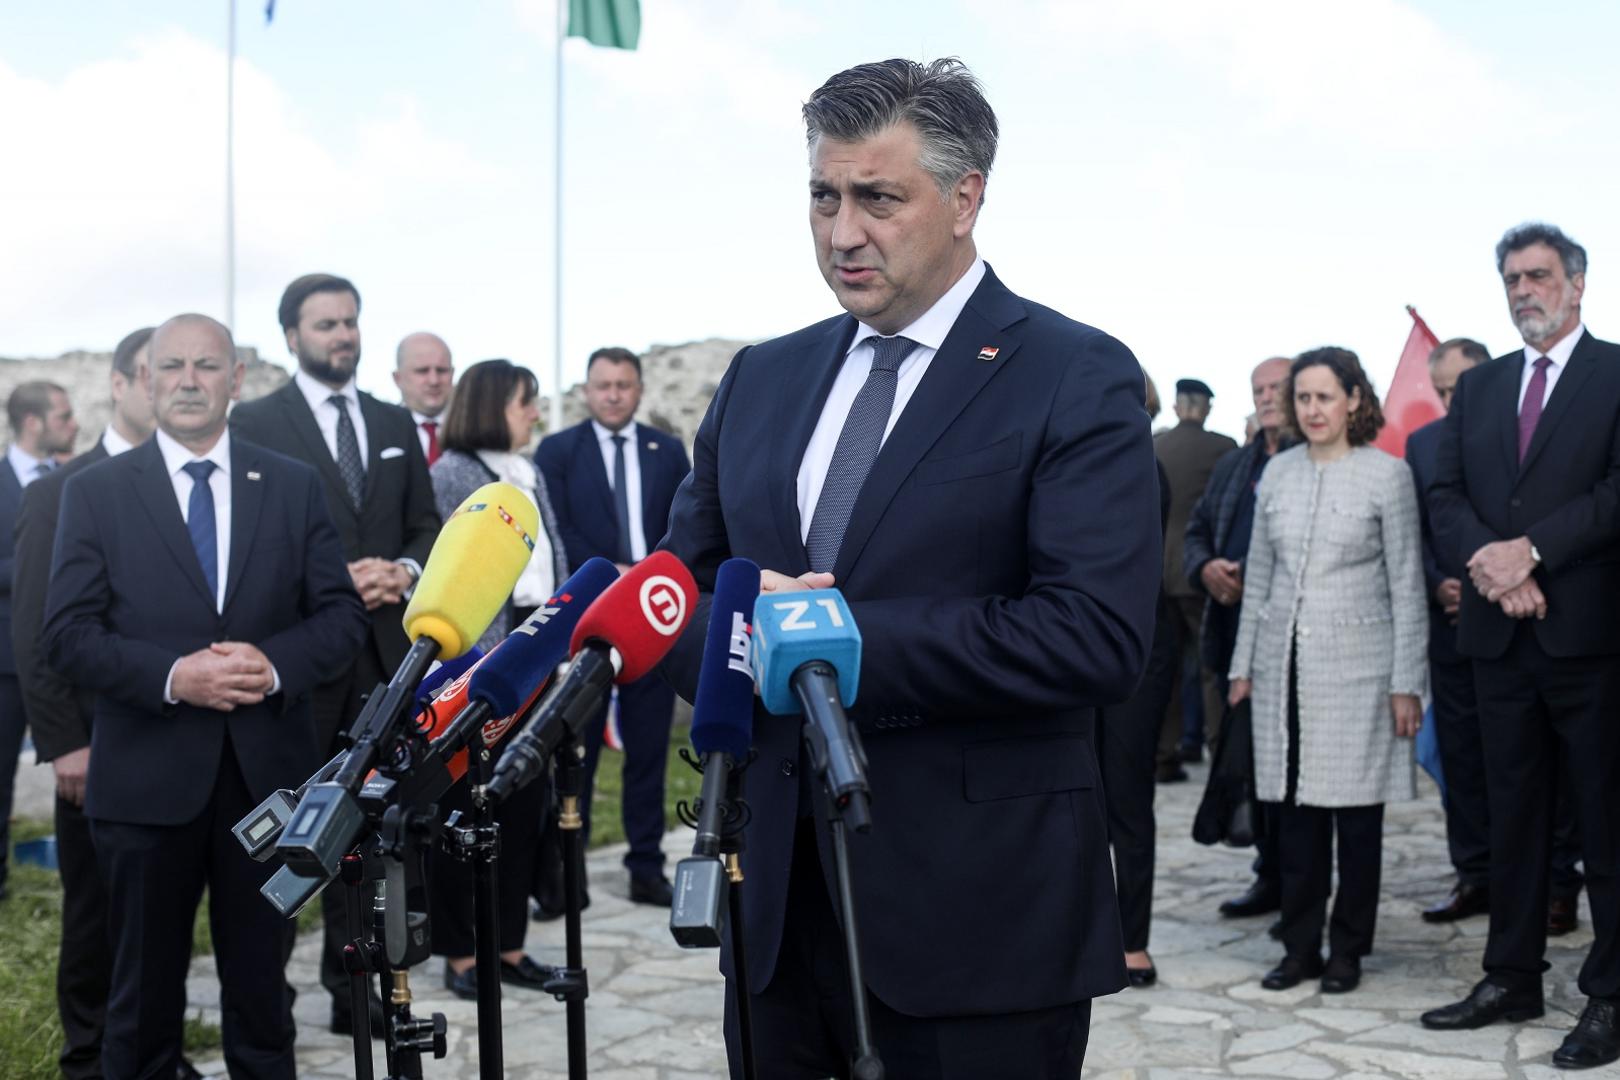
(954, 377)
(802, 389)
(302, 421)
(156, 491)
(10, 486)
(247, 497)
(596, 470)
(371, 413)
(1582, 362)
(1509, 411)
(647, 451)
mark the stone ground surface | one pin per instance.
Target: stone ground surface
(654, 1010)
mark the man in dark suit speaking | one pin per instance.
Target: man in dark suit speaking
(197, 588)
(975, 472)
(1527, 497)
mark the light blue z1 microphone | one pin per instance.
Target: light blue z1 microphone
(807, 661)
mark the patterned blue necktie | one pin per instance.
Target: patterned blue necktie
(200, 524)
(857, 449)
(349, 464)
(621, 500)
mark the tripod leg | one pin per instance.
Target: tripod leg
(739, 965)
(866, 1065)
(359, 1007)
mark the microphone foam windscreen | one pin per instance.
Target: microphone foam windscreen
(794, 628)
(641, 615)
(474, 564)
(444, 673)
(519, 664)
(723, 714)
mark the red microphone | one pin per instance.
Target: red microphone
(619, 639)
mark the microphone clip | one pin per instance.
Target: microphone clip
(735, 813)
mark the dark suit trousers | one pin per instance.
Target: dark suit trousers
(335, 706)
(646, 710)
(84, 963)
(1538, 713)
(804, 1027)
(13, 724)
(1184, 613)
(155, 877)
(1127, 736)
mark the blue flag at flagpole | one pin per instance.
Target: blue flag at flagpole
(1428, 751)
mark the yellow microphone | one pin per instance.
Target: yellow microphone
(474, 565)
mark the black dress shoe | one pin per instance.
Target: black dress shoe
(1561, 916)
(464, 985)
(1464, 902)
(1485, 1004)
(343, 1019)
(1342, 975)
(1595, 1040)
(652, 890)
(1262, 898)
(186, 1071)
(1169, 773)
(1274, 931)
(1191, 753)
(526, 973)
(1291, 972)
(1140, 977)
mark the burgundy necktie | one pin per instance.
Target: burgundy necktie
(432, 429)
(1530, 410)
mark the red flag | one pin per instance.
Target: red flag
(1411, 401)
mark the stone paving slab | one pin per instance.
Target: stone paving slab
(655, 1010)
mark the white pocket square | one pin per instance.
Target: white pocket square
(392, 452)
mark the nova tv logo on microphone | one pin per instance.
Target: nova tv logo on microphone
(664, 604)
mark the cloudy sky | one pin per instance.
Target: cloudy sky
(1212, 183)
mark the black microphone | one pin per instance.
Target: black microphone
(722, 728)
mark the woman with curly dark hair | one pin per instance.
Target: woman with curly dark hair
(1332, 646)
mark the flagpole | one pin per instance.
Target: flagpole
(557, 243)
(230, 168)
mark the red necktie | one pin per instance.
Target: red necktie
(1530, 410)
(432, 429)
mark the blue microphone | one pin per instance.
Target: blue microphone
(444, 673)
(722, 730)
(807, 660)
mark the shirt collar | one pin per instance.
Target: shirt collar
(1560, 352)
(114, 443)
(177, 457)
(930, 328)
(24, 464)
(420, 417)
(318, 393)
(603, 434)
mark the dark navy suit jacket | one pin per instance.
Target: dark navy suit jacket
(127, 599)
(1002, 562)
(1565, 497)
(1439, 561)
(577, 481)
(11, 493)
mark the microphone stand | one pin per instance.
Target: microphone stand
(570, 984)
(731, 846)
(867, 1065)
(480, 843)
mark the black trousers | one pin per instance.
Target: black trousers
(155, 877)
(646, 710)
(84, 963)
(1127, 737)
(804, 1028)
(336, 704)
(1467, 802)
(1267, 864)
(13, 725)
(1549, 722)
(450, 881)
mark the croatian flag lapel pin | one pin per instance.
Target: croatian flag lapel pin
(252, 474)
(988, 352)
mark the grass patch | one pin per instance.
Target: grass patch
(681, 781)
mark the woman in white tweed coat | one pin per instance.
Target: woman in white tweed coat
(1332, 644)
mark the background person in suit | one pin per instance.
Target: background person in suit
(1332, 644)
(42, 427)
(1214, 549)
(937, 453)
(197, 589)
(1527, 497)
(424, 374)
(59, 717)
(612, 481)
(1188, 454)
(370, 463)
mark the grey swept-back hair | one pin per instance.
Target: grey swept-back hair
(1571, 254)
(941, 99)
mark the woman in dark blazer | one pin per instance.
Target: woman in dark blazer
(490, 423)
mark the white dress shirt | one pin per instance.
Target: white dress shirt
(319, 396)
(1558, 354)
(928, 331)
(632, 480)
(175, 460)
(114, 443)
(26, 465)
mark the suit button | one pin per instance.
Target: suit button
(787, 767)
(1513, 502)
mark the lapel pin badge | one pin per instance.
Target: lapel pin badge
(252, 474)
(988, 352)
(652, 446)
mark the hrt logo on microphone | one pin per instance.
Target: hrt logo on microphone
(664, 604)
(738, 654)
(534, 622)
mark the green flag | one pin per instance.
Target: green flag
(614, 23)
